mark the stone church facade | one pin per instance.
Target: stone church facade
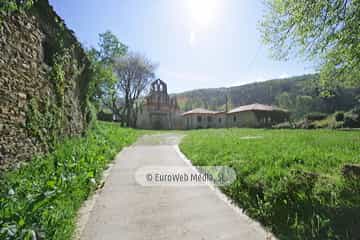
(159, 110)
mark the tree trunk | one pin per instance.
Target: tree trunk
(128, 112)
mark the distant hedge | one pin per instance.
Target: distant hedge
(316, 116)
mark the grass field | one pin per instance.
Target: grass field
(290, 180)
(41, 199)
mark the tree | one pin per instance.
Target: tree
(102, 91)
(188, 105)
(325, 30)
(303, 105)
(110, 48)
(134, 72)
(284, 100)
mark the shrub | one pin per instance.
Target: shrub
(356, 110)
(339, 116)
(351, 121)
(315, 116)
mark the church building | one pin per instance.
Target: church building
(159, 110)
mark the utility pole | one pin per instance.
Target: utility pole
(226, 108)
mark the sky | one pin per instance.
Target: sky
(196, 43)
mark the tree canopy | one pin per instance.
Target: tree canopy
(103, 90)
(134, 72)
(327, 31)
(119, 77)
(110, 47)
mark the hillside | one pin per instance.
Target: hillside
(300, 94)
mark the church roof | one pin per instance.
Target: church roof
(256, 107)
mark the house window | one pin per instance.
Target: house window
(219, 120)
(234, 118)
(199, 119)
(209, 118)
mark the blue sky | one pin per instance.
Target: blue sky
(197, 43)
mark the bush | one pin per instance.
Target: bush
(41, 199)
(356, 110)
(351, 121)
(315, 116)
(339, 116)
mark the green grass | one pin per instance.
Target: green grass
(40, 200)
(290, 180)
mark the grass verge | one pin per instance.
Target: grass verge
(40, 200)
(289, 180)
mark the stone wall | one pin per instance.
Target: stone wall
(43, 83)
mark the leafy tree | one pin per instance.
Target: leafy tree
(303, 104)
(325, 30)
(134, 72)
(188, 105)
(110, 48)
(103, 91)
(284, 100)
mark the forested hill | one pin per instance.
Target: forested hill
(300, 94)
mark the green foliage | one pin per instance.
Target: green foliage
(328, 122)
(10, 6)
(290, 180)
(102, 81)
(324, 29)
(135, 72)
(44, 121)
(315, 116)
(110, 47)
(58, 75)
(352, 120)
(300, 95)
(40, 200)
(339, 116)
(45, 117)
(102, 89)
(284, 100)
(303, 104)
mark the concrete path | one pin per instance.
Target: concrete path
(126, 210)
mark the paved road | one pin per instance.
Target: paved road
(126, 210)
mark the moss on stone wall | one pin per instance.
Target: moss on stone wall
(45, 124)
(44, 74)
(8, 7)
